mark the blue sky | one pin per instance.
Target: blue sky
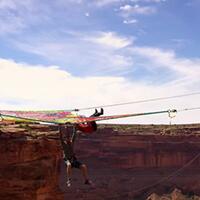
(115, 50)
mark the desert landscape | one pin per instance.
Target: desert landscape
(132, 67)
(131, 162)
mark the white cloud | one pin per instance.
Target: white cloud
(105, 2)
(16, 16)
(133, 8)
(49, 87)
(76, 1)
(110, 53)
(154, 1)
(111, 39)
(168, 59)
(130, 21)
(14, 5)
(128, 10)
(8, 25)
(94, 53)
(131, 11)
(87, 14)
(11, 15)
(52, 87)
(111, 2)
(150, 1)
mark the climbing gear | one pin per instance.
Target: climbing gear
(172, 114)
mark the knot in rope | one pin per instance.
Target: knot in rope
(172, 113)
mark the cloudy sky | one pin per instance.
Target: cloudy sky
(67, 54)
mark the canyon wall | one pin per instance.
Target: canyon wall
(125, 162)
(29, 165)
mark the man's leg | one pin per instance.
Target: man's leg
(69, 172)
(96, 113)
(84, 171)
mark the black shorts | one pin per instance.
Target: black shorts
(74, 163)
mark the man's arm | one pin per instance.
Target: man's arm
(61, 135)
(73, 134)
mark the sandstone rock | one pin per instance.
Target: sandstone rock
(177, 195)
(153, 196)
(120, 163)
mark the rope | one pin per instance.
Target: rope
(28, 119)
(1, 117)
(171, 113)
(145, 187)
(88, 119)
(136, 102)
(189, 109)
(169, 176)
